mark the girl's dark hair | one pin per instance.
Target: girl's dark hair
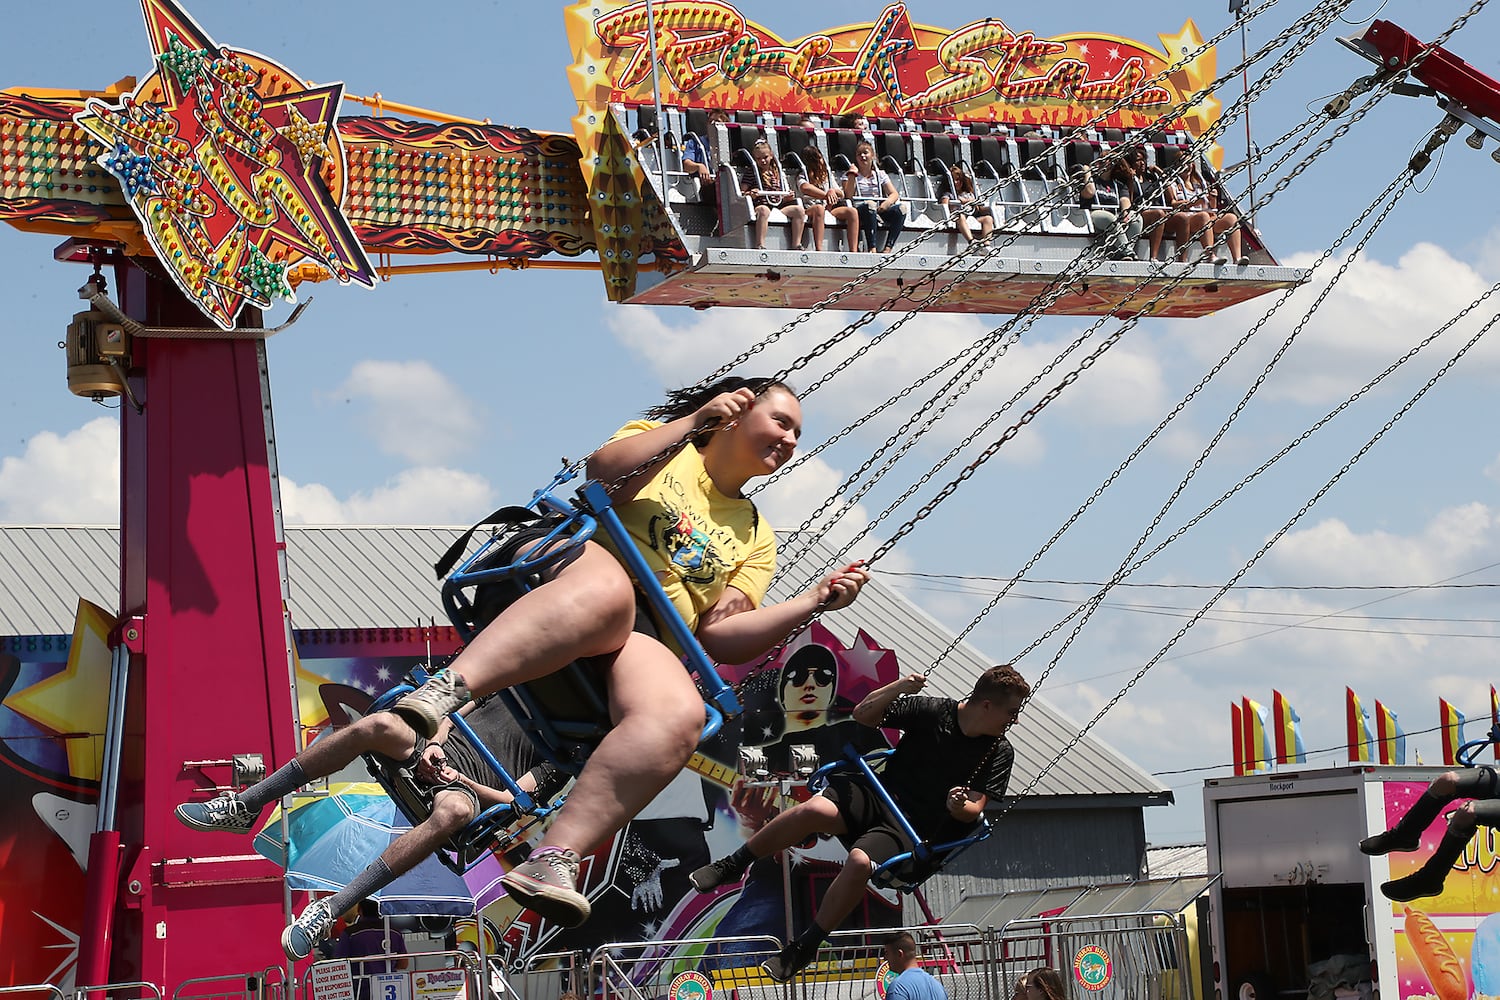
(1049, 982)
(961, 182)
(684, 402)
(817, 167)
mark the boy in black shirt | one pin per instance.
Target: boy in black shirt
(953, 758)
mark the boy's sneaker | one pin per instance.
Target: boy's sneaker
(717, 873)
(548, 884)
(225, 812)
(791, 960)
(426, 707)
(307, 931)
(1391, 840)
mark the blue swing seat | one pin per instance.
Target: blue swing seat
(566, 713)
(905, 871)
(1469, 751)
(497, 828)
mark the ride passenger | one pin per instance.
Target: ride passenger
(967, 204)
(1196, 213)
(698, 157)
(875, 198)
(462, 782)
(826, 198)
(953, 758)
(677, 480)
(766, 185)
(1481, 782)
(1107, 194)
(1150, 194)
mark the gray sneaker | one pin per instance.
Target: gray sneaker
(426, 707)
(305, 933)
(548, 884)
(225, 812)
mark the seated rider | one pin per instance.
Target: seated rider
(462, 782)
(952, 759)
(1479, 782)
(676, 482)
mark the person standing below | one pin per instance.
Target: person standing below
(952, 760)
(874, 198)
(912, 982)
(367, 939)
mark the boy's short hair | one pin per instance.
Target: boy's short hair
(902, 943)
(999, 682)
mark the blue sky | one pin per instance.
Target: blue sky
(432, 398)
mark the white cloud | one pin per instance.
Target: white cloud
(70, 478)
(426, 495)
(414, 411)
(1452, 542)
(1374, 315)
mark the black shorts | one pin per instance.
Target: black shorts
(872, 829)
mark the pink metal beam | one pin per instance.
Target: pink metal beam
(209, 675)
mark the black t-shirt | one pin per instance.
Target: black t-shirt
(934, 756)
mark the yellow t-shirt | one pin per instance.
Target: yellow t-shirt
(697, 540)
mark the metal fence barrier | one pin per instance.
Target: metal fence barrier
(1126, 956)
(548, 975)
(372, 974)
(647, 970)
(53, 993)
(268, 984)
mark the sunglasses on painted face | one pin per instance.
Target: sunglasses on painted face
(822, 676)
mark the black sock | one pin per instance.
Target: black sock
(743, 858)
(287, 778)
(807, 942)
(374, 878)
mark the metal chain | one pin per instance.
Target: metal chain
(1401, 184)
(1171, 114)
(1061, 283)
(1161, 426)
(1281, 185)
(1287, 526)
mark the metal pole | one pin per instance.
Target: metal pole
(1239, 15)
(661, 132)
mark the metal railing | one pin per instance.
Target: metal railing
(269, 984)
(1142, 955)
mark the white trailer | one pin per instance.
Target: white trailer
(1295, 890)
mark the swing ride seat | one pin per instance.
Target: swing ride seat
(495, 829)
(566, 713)
(1470, 750)
(907, 870)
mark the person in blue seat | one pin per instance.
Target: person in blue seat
(461, 781)
(677, 479)
(952, 760)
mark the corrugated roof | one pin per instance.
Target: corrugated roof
(381, 577)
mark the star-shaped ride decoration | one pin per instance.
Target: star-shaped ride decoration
(232, 167)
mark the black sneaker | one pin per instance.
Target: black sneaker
(792, 959)
(717, 873)
(1390, 840)
(425, 708)
(548, 884)
(1418, 884)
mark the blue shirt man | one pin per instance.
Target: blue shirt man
(911, 982)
